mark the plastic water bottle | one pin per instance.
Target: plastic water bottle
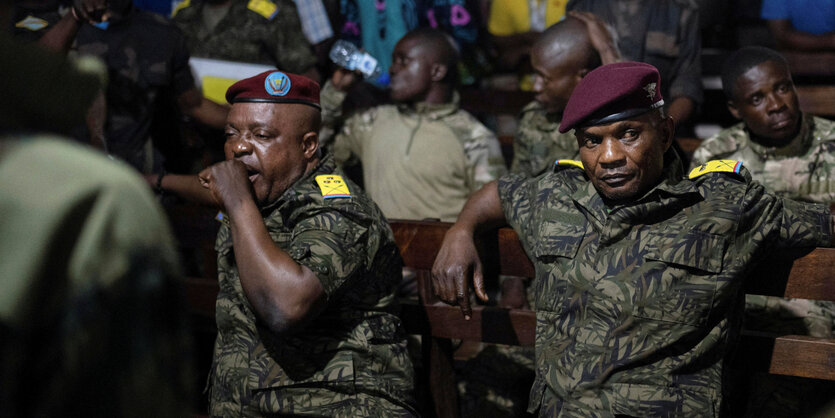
(348, 56)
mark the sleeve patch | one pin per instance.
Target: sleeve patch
(180, 6)
(716, 166)
(264, 8)
(332, 186)
(573, 163)
(32, 23)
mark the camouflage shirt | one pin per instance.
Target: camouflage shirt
(635, 303)
(147, 60)
(418, 162)
(538, 142)
(662, 33)
(250, 31)
(351, 359)
(802, 170)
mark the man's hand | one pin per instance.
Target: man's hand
(601, 36)
(456, 262)
(343, 79)
(91, 11)
(228, 183)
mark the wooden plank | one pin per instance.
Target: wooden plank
(802, 356)
(817, 100)
(814, 64)
(488, 324)
(797, 273)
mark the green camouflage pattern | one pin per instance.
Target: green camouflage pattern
(802, 170)
(420, 161)
(349, 361)
(146, 59)
(538, 142)
(246, 36)
(636, 303)
(662, 33)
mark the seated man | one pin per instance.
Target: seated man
(422, 157)
(562, 56)
(639, 270)
(306, 315)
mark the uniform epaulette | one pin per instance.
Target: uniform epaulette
(180, 6)
(332, 186)
(716, 166)
(264, 8)
(569, 163)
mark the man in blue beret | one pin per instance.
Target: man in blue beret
(639, 268)
(307, 266)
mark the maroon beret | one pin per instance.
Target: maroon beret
(275, 87)
(611, 93)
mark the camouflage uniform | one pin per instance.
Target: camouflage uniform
(146, 58)
(538, 143)
(635, 303)
(664, 34)
(351, 359)
(802, 170)
(419, 161)
(92, 317)
(246, 35)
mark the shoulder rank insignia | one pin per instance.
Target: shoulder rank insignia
(222, 218)
(180, 6)
(716, 166)
(32, 23)
(264, 8)
(566, 163)
(332, 186)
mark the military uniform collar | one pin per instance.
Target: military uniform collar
(541, 119)
(799, 145)
(671, 188)
(433, 111)
(295, 191)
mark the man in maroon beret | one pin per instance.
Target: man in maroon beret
(307, 267)
(639, 268)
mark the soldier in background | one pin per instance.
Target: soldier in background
(639, 269)
(257, 31)
(147, 62)
(422, 156)
(793, 155)
(563, 54)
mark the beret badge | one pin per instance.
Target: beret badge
(277, 84)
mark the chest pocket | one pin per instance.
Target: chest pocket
(554, 252)
(678, 280)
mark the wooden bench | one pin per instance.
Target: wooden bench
(805, 273)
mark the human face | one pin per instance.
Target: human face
(554, 80)
(765, 99)
(411, 71)
(625, 159)
(265, 138)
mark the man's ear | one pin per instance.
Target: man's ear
(439, 71)
(733, 109)
(310, 144)
(669, 131)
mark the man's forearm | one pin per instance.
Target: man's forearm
(185, 186)
(483, 210)
(60, 37)
(282, 292)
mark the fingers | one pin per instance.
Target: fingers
(205, 177)
(478, 283)
(462, 296)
